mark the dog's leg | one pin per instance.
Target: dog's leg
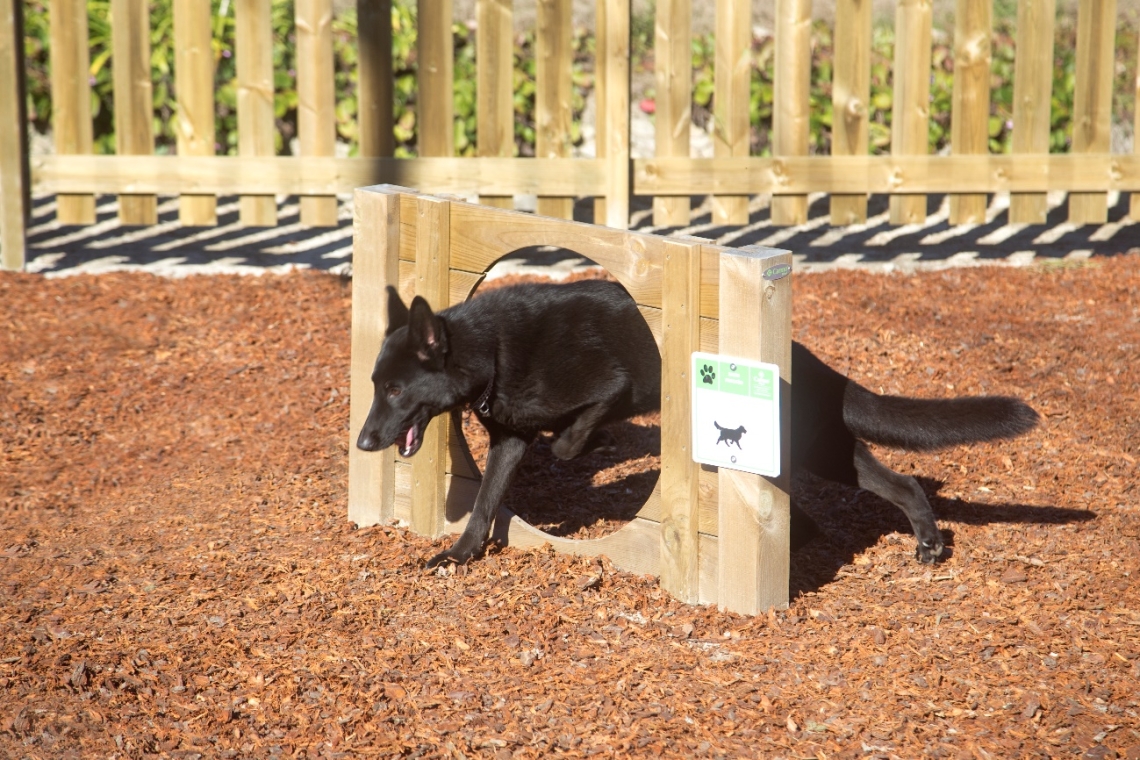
(572, 440)
(904, 492)
(507, 450)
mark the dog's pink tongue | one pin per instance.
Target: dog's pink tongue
(411, 438)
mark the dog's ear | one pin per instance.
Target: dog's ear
(426, 335)
(397, 312)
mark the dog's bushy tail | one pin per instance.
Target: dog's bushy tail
(917, 424)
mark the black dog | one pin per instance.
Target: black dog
(729, 436)
(570, 358)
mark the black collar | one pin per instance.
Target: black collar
(482, 405)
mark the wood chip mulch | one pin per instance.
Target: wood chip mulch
(178, 577)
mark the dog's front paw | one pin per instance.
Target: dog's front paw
(458, 554)
(928, 551)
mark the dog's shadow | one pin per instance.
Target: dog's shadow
(843, 522)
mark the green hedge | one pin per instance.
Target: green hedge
(403, 20)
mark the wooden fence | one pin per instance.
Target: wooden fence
(671, 177)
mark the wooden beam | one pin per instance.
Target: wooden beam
(375, 266)
(910, 117)
(71, 124)
(791, 105)
(253, 39)
(673, 65)
(553, 111)
(850, 98)
(732, 76)
(194, 88)
(1032, 98)
(316, 104)
(754, 510)
(14, 206)
(970, 117)
(1092, 99)
(494, 76)
(133, 99)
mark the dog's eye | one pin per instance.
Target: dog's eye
(392, 390)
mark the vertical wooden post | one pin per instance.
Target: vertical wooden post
(850, 98)
(1032, 98)
(673, 61)
(1092, 99)
(755, 323)
(374, 93)
(71, 99)
(910, 118)
(612, 101)
(133, 98)
(1134, 196)
(791, 98)
(969, 120)
(732, 77)
(680, 492)
(14, 206)
(375, 266)
(494, 74)
(553, 93)
(194, 88)
(316, 105)
(435, 106)
(253, 41)
(433, 257)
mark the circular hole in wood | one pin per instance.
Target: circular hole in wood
(595, 493)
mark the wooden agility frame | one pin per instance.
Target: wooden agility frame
(712, 537)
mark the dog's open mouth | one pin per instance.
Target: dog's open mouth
(413, 439)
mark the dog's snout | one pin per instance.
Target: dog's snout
(367, 441)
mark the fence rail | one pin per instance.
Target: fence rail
(849, 174)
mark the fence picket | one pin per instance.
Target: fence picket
(851, 99)
(969, 119)
(1092, 99)
(1032, 98)
(133, 98)
(194, 88)
(435, 73)
(673, 63)
(71, 98)
(910, 118)
(494, 77)
(732, 77)
(791, 102)
(553, 113)
(253, 40)
(374, 95)
(316, 99)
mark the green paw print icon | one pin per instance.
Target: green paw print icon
(707, 374)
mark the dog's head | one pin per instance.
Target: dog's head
(409, 381)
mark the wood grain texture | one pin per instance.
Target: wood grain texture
(1092, 99)
(850, 99)
(316, 105)
(910, 117)
(253, 39)
(553, 93)
(434, 75)
(72, 130)
(494, 75)
(969, 120)
(375, 266)
(194, 89)
(14, 206)
(1032, 98)
(732, 74)
(614, 129)
(673, 70)
(790, 98)
(133, 99)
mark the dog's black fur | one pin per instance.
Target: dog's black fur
(730, 436)
(571, 358)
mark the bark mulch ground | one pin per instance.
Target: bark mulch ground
(178, 577)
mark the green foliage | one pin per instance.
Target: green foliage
(762, 87)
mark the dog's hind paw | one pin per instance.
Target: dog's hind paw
(927, 552)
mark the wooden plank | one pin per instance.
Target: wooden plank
(661, 176)
(790, 98)
(633, 548)
(1092, 99)
(433, 250)
(71, 98)
(494, 75)
(850, 99)
(194, 88)
(969, 121)
(910, 113)
(1134, 199)
(600, 11)
(133, 99)
(753, 564)
(375, 246)
(1032, 98)
(673, 63)
(256, 126)
(316, 105)
(553, 93)
(679, 478)
(435, 122)
(614, 128)
(732, 76)
(14, 206)
(374, 95)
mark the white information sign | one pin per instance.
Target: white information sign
(736, 413)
